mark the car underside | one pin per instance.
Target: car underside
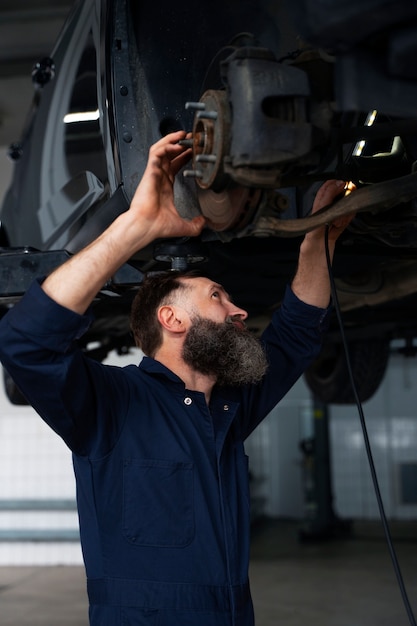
(276, 98)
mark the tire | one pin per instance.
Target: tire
(13, 393)
(328, 377)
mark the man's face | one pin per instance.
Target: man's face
(217, 343)
(207, 299)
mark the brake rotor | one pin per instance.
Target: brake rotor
(224, 204)
(230, 208)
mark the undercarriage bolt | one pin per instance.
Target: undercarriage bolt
(207, 115)
(193, 174)
(197, 106)
(187, 143)
(206, 158)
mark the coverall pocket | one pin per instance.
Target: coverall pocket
(158, 502)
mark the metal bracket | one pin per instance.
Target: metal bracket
(19, 267)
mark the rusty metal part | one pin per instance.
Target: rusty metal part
(211, 136)
(376, 197)
(224, 204)
(230, 208)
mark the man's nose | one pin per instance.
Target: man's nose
(238, 313)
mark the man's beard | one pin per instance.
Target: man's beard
(233, 356)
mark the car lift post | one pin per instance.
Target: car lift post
(321, 522)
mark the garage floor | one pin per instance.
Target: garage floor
(344, 582)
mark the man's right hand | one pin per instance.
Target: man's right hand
(153, 202)
(152, 215)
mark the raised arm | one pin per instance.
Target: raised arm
(152, 214)
(311, 282)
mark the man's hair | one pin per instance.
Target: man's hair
(155, 291)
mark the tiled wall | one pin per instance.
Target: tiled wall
(275, 458)
(391, 418)
(34, 465)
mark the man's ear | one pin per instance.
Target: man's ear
(172, 318)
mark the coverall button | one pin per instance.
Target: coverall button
(226, 407)
(187, 401)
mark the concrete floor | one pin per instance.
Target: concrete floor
(340, 582)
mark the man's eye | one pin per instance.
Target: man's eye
(215, 294)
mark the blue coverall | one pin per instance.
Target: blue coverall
(162, 478)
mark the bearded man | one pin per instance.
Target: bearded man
(162, 476)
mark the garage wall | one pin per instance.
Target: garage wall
(275, 459)
(38, 519)
(391, 417)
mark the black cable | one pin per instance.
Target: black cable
(366, 439)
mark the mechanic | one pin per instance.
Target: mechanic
(161, 473)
